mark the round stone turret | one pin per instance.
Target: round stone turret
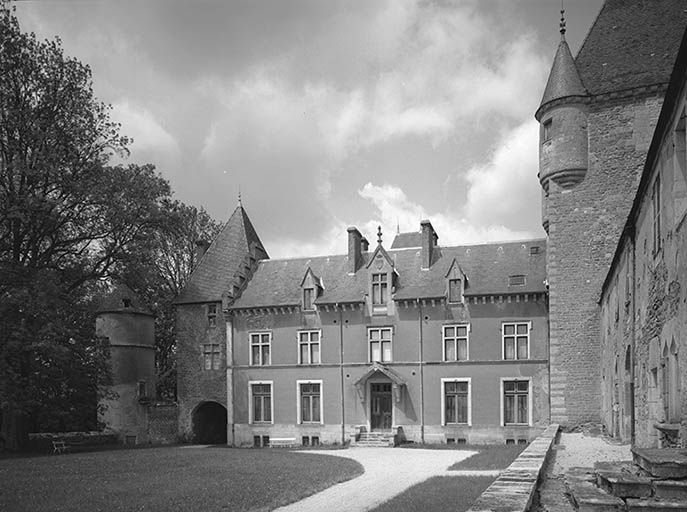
(130, 328)
(562, 115)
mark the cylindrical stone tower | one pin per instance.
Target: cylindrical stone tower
(129, 326)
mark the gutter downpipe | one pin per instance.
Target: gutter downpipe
(341, 374)
(422, 374)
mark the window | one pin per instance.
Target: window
(309, 347)
(379, 289)
(456, 403)
(211, 356)
(212, 315)
(308, 294)
(261, 402)
(516, 402)
(534, 250)
(380, 344)
(142, 389)
(260, 348)
(455, 290)
(309, 401)
(547, 129)
(516, 340)
(656, 204)
(456, 342)
(517, 280)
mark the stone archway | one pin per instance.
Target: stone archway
(210, 423)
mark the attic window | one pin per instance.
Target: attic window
(518, 280)
(547, 130)
(534, 249)
(308, 294)
(126, 302)
(455, 290)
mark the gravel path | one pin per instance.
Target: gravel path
(388, 472)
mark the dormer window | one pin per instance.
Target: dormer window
(455, 290)
(126, 303)
(379, 289)
(212, 315)
(516, 280)
(308, 296)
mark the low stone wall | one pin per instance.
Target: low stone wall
(514, 489)
(77, 441)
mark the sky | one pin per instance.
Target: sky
(326, 114)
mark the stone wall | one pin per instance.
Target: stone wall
(585, 223)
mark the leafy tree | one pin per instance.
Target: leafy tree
(67, 221)
(158, 270)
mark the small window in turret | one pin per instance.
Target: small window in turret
(212, 315)
(547, 130)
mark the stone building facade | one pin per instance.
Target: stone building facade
(597, 117)
(644, 318)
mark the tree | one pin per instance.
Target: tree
(158, 269)
(67, 221)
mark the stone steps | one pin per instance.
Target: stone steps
(375, 439)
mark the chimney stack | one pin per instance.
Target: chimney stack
(201, 249)
(364, 244)
(355, 256)
(429, 242)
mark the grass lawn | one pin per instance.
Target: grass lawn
(497, 456)
(169, 478)
(440, 493)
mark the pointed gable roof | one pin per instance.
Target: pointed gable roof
(632, 43)
(215, 272)
(564, 80)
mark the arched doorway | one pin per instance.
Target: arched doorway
(210, 423)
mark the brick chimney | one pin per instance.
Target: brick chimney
(429, 242)
(355, 257)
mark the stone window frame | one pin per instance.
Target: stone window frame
(381, 344)
(212, 315)
(445, 381)
(455, 338)
(212, 356)
(546, 129)
(251, 405)
(309, 298)
(309, 343)
(379, 289)
(299, 402)
(516, 335)
(452, 299)
(502, 394)
(259, 335)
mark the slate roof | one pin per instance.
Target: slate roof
(403, 240)
(215, 272)
(564, 79)
(632, 43)
(487, 266)
(113, 301)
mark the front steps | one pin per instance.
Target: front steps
(656, 481)
(375, 439)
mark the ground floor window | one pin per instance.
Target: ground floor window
(516, 402)
(310, 401)
(456, 401)
(261, 402)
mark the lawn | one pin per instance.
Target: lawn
(169, 478)
(438, 494)
(498, 456)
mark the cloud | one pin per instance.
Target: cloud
(393, 208)
(505, 190)
(141, 125)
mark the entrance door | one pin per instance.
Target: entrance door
(380, 406)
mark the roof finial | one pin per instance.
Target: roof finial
(379, 235)
(562, 24)
(398, 226)
(241, 205)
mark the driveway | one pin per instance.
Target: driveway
(388, 472)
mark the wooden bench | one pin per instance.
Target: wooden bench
(59, 446)
(282, 442)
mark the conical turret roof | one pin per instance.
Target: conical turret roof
(214, 274)
(564, 80)
(121, 298)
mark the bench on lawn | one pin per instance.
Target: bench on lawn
(59, 446)
(282, 442)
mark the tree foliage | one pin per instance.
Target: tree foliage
(68, 220)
